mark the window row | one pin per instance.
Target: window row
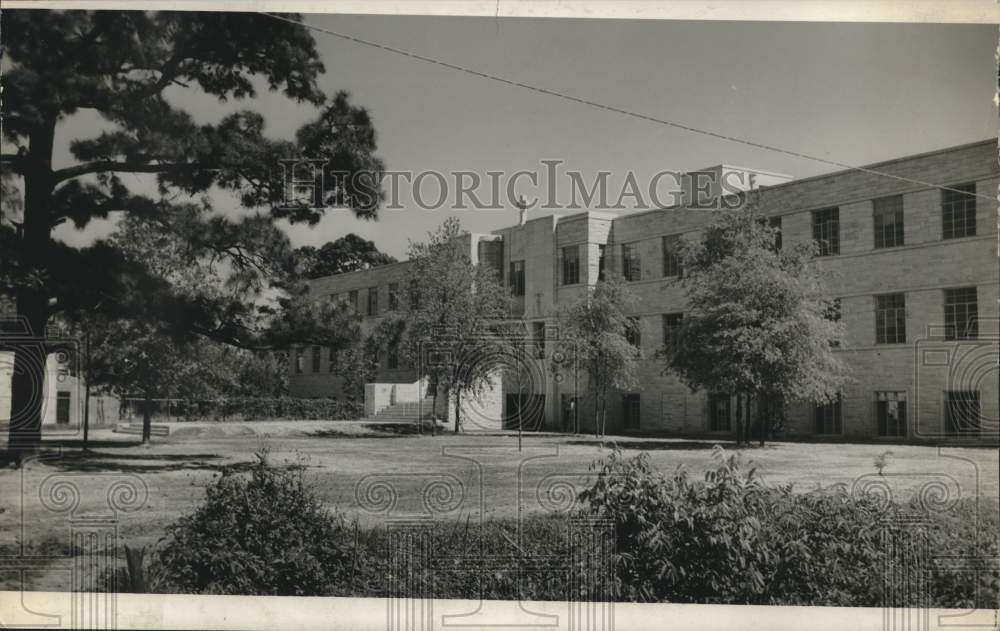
(371, 297)
(961, 319)
(958, 219)
(388, 359)
(962, 414)
(961, 316)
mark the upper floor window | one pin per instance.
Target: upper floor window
(775, 224)
(833, 312)
(888, 221)
(491, 255)
(671, 256)
(332, 359)
(631, 268)
(961, 314)
(826, 230)
(517, 277)
(671, 331)
(890, 319)
(571, 265)
(538, 333)
(373, 301)
(958, 211)
(352, 301)
(393, 296)
(299, 361)
(633, 332)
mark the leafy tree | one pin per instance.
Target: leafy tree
(134, 357)
(349, 253)
(457, 318)
(127, 66)
(601, 328)
(757, 324)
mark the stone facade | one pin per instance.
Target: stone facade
(922, 369)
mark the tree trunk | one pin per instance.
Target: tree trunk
(739, 419)
(147, 421)
(760, 419)
(86, 393)
(28, 382)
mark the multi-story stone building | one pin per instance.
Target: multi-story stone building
(914, 268)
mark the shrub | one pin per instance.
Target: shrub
(729, 538)
(263, 534)
(259, 408)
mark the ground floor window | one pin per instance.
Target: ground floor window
(631, 416)
(569, 413)
(962, 416)
(890, 413)
(829, 417)
(719, 413)
(62, 407)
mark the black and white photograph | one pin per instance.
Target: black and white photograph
(529, 315)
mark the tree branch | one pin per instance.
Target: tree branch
(103, 166)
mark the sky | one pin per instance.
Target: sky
(852, 93)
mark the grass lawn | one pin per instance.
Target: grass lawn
(380, 472)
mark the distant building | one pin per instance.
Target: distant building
(914, 269)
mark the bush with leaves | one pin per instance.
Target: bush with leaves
(264, 534)
(729, 538)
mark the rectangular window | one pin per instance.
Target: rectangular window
(958, 211)
(538, 333)
(890, 414)
(332, 359)
(372, 301)
(828, 417)
(631, 268)
(393, 296)
(671, 331)
(890, 319)
(315, 358)
(63, 400)
(775, 224)
(517, 277)
(826, 230)
(719, 413)
(633, 333)
(671, 256)
(571, 265)
(632, 411)
(299, 361)
(491, 255)
(833, 313)
(961, 314)
(414, 297)
(600, 261)
(352, 301)
(392, 358)
(962, 415)
(888, 221)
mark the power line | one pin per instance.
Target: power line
(617, 110)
